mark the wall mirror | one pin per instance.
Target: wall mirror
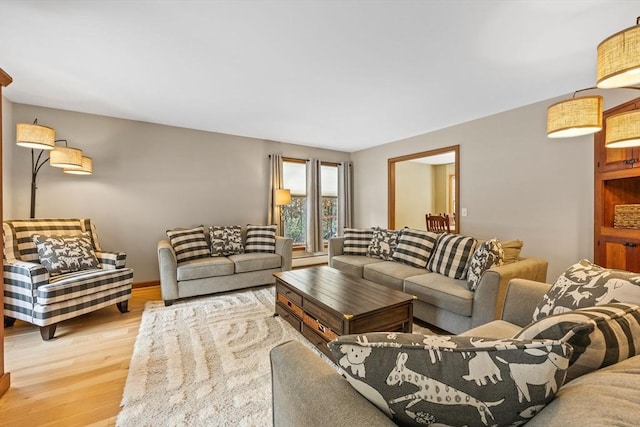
(421, 183)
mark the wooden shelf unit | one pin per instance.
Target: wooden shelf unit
(617, 182)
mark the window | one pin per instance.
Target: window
(295, 214)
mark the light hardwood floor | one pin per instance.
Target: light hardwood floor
(76, 379)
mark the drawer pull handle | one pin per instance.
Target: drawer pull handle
(630, 244)
(630, 161)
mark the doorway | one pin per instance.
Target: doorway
(421, 183)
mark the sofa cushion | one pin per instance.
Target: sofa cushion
(383, 244)
(205, 267)
(255, 261)
(415, 247)
(493, 329)
(585, 284)
(189, 243)
(451, 380)
(66, 254)
(488, 254)
(600, 336)
(390, 274)
(356, 241)
(261, 238)
(82, 287)
(606, 397)
(352, 264)
(512, 249)
(451, 255)
(441, 291)
(225, 240)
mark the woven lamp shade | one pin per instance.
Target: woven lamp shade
(35, 136)
(86, 169)
(619, 59)
(65, 157)
(623, 130)
(575, 117)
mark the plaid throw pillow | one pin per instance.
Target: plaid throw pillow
(451, 255)
(261, 238)
(226, 240)
(415, 247)
(356, 241)
(600, 336)
(189, 244)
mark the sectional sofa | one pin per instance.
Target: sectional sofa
(442, 301)
(305, 386)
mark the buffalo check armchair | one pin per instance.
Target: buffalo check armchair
(64, 275)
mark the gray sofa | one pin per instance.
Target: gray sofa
(308, 391)
(219, 274)
(442, 301)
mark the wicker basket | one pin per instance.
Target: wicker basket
(626, 216)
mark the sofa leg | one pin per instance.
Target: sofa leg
(168, 302)
(9, 321)
(47, 332)
(123, 306)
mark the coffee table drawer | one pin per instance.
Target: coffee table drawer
(317, 340)
(331, 320)
(295, 308)
(319, 328)
(292, 296)
(290, 318)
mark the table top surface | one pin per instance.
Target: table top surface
(342, 292)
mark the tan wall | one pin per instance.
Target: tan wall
(514, 181)
(147, 178)
(414, 194)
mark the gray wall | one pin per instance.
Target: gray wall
(514, 181)
(147, 178)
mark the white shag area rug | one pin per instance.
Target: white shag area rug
(205, 362)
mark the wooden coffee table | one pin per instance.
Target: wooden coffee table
(324, 303)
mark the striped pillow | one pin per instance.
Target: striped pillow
(414, 247)
(189, 243)
(356, 241)
(451, 255)
(600, 336)
(261, 238)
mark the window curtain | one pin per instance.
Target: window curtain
(345, 196)
(314, 207)
(275, 183)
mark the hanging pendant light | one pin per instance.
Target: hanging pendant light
(623, 130)
(35, 136)
(575, 117)
(86, 169)
(619, 59)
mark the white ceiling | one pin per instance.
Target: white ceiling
(344, 75)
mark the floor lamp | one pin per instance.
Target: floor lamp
(282, 199)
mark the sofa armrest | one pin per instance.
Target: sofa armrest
(284, 248)
(307, 391)
(24, 277)
(336, 247)
(168, 266)
(521, 300)
(111, 260)
(489, 296)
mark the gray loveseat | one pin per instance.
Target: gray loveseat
(308, 391)
(442, 301)
(221, 273)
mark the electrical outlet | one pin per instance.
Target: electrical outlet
(463, 211)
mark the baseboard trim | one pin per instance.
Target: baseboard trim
(5, 382)
(149, 284)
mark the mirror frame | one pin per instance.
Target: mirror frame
(391, 212)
